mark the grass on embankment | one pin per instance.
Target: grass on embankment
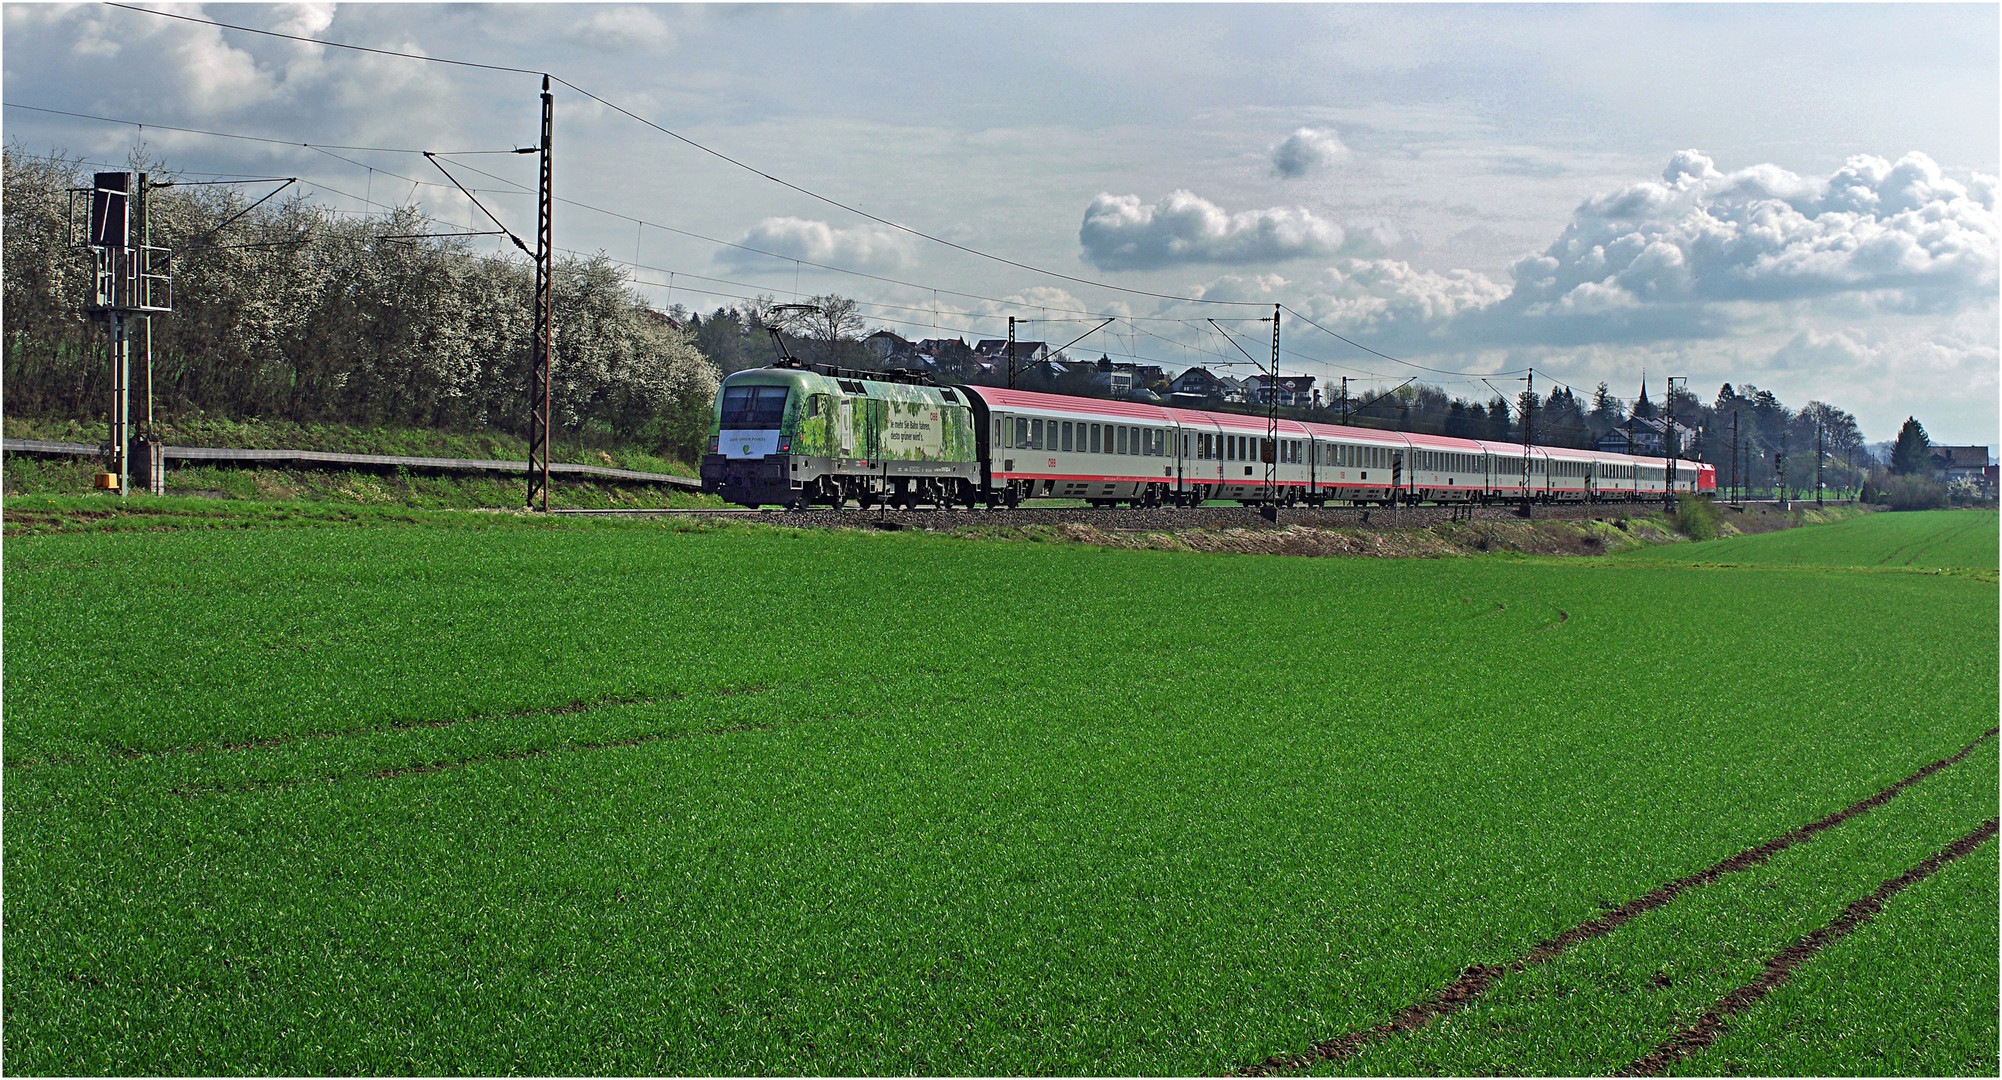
(641, 797)
(395, 439)
(1926, 539)
(35, 485)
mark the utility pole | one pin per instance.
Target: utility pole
(1345, 400)
(122, 293)
(1011, 352)
(1734, 457)
(539, 393)
(1674, 441)
(1272, 413)
(1528, 418)
(1818, 455)
(154, 464)
(1780, 466)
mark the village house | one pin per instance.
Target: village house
(1961, 463)
(1293, 390)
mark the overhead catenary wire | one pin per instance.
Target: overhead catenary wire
(1386, 356)
(1084, 314)
(320, 41)
(718, 154)
(229, 135)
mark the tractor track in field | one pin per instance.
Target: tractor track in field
(1477, 979)
(1715, 1020)
(273, 741)
(192, 791)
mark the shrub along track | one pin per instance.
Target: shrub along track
(1479, 978)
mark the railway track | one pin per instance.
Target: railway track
(1137, 519)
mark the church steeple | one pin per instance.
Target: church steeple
(1643, 407)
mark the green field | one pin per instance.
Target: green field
(629, 797)
(1924, 540)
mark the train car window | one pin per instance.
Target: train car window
(1119, 439)
(1067, 435)
(1094, 438)
(1035, 434)
(1021, 433)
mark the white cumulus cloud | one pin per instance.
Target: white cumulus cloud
(864, 248)
(624, 27)
(1910, 237)
(1304, 151)
(1381, 294)
(1121, 232)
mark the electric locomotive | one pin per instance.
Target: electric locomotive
(794, 436)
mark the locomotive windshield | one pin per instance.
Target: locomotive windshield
(755, 408)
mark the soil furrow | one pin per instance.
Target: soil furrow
(405, 725)
(1780, 968)
(190, 791)
(1478, 978)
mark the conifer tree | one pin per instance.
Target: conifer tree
(1913, 452)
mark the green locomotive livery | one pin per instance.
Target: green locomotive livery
(798, 437)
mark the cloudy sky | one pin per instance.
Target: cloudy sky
(1801, 197)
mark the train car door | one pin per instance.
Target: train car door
(845, 426)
